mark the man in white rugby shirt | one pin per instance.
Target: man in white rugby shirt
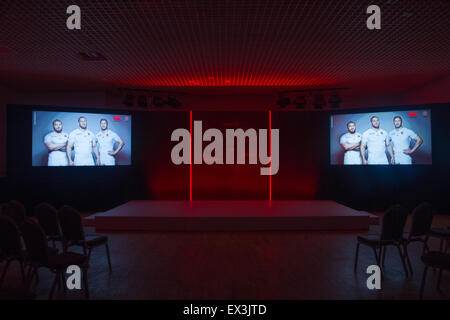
(376, 141)
(351, 142)
(56, 143)
(401, 141)
(83, 142)
(106, 140)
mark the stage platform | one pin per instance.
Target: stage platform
(149, 215)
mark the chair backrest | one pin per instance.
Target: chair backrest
(16, 211)
(10, 241)
(47, 216)
(35, 242)
(71, 224)
(422, 218)
(393, 223)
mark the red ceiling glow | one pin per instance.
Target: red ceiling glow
(204, 43)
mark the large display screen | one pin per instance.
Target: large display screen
(80, 139)
(381, 138)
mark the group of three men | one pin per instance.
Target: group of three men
(84, 142)
(377, 141)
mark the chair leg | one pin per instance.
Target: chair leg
(422, 286)
(377, 258)
(109, 258)
(30, 276)
(425, 246)
(54, 285)
(405, 249)
(8, 262)
(86, 284)
(22, 271)
(63, 283)
(438, 286)
(58, 283)
(403, 260)
(356, 256)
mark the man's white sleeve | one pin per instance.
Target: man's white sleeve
(47, 138)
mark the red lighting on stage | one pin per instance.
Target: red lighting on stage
(270, 154)
(190, 155)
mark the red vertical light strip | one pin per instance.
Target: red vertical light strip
(270, 154)
(190, 155)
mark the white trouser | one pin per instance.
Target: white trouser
(377, 158)
(57, 158)
(83, 159)
(352, 157)
(107, 160)
(401, 158)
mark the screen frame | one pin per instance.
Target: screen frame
(87, 112)
(29, 109)
(347, 111)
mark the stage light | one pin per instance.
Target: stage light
(283, 102)
(173, 102)
(335, 101)
(300, 102)
(158, 101)
(142, 101)
(319, 101)
(129, 100)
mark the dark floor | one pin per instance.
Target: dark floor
(245, 265)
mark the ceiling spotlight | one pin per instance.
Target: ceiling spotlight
(300, 102)
(283, 102)
(142, 101)
(158, 101)
(173, 102)
(129, 100)
(319, 101)
(335, 100)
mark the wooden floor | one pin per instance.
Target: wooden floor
(244, 265)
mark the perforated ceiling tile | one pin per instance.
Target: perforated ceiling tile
(223, 43)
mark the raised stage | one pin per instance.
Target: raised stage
(230, 215)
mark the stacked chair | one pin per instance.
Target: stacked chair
(11, 248)
(392, 226)
(39, 256)
(74, 235)
(439, 260)
(391, 234)
(422, 218)
(26, 241)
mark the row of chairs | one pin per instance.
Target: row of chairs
(392, 234)
(26, 240)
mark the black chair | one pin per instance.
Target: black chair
(422, 218)
(16, 211)
(442, 234)
(47, 217)
(435, 260)
(74, 235)
(39, 256)
(392, 225)
(11, 246)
